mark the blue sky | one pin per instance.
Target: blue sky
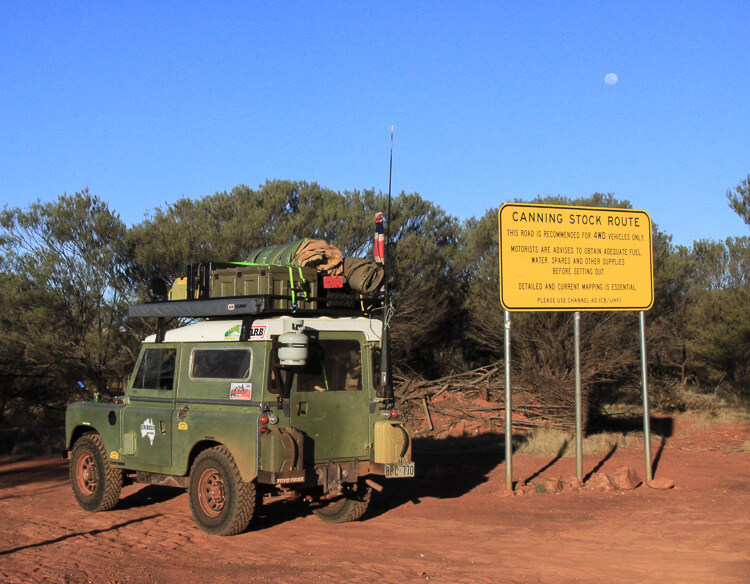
(145, 102)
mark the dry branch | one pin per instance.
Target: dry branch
(479, 395)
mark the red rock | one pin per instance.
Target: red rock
(662, 484)
(524, 489)
(547, 485)
(625, 478)
(572, 484)
(600, 482)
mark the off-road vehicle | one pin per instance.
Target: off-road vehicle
(267, 395)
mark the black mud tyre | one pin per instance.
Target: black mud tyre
(221, 502)
(96, 483)
(349, 507)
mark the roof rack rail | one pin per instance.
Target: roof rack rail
(339, 304)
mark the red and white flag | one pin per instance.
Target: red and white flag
(379, 245)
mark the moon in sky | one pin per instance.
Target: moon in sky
(610, 79)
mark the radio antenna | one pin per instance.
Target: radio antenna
(386, 379)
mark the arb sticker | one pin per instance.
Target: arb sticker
(256, 332)
(241, 391)
(114, 455)
(182, 426)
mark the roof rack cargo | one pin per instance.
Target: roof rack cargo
(222, 289)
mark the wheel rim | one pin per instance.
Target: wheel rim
(212, 492)
(86, 474)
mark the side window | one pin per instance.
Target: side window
(156, 370)
(332, 365)
(220, 363)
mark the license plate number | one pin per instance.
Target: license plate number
(399, 469)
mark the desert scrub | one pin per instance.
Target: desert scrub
(705, 420)
(549, 442)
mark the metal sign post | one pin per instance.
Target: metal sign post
(579, 413)
(508, 410)
(644, 381)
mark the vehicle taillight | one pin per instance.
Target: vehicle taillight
(263, 419)
(263, 429)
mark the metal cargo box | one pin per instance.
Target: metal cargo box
(293, 283)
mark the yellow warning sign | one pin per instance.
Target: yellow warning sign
(574, 258)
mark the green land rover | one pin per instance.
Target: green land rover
(242, 408)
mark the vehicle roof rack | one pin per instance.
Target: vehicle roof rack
(339, 304)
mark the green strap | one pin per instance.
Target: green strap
(304, 281)
(291, 287)
(291, 278)
(325, 376)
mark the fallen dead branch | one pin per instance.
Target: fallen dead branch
(476, 396)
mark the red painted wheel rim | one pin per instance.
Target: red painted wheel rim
(86, 474)
(211, 492)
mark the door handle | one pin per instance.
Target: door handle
(302, 408)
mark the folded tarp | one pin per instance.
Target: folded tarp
(363, 275)
(316, 253)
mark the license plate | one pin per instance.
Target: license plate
(399, 469)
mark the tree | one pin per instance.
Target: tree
(63, 294)
(739, 199)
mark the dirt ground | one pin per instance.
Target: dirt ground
(450, 524)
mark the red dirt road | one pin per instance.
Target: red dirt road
(448, 525)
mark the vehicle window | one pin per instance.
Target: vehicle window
(332, 366)
(220, 364)
(156, 370)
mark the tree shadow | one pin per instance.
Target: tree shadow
(46, 470)
(72, 535)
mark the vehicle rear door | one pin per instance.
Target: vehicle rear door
(330, 399)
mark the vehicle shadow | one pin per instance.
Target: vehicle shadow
(446, 468)
(149, 495)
